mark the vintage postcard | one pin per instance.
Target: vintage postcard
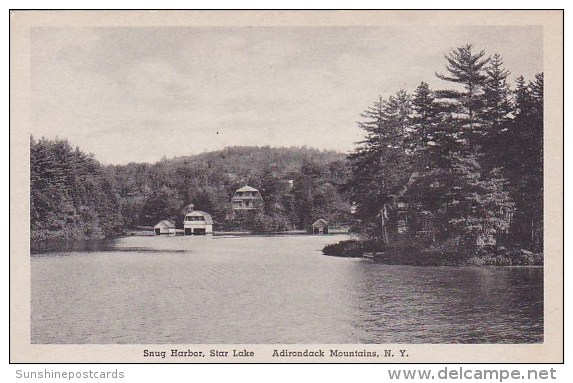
(286, 186)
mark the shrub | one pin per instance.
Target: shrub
(352, 248)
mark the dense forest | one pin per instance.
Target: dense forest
(470, 156)
(74, 197)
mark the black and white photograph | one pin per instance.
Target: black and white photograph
(259, 186)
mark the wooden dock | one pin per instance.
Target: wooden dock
(372, 255)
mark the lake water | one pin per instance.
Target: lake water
(277, 289)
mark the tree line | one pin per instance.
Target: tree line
(470, 154)
(73, 196)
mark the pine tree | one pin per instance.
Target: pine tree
(523, 162)
(466, 68)
(497, 103)
(374, 124)
(368, 184)
(432, 141)
(496, 112)
(432, 135)
(424, 116)
(476, 201)
(398, 114)
(480, 207)
(521, 95)
(536, 87)
(380, 166)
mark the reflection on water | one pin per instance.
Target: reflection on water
(272, 290)
(451, 305)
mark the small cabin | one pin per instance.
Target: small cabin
(403, 220)
(198, 223)
(164, 227)
(247, 198)
(320, 226)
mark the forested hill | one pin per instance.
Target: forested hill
(73, 196)
(245, 161)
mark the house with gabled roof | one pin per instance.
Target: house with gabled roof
(197, 222)
(247, 198)
(320, 226)
(164, 227)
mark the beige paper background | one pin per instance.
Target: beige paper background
(22, 351)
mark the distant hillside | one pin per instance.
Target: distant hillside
(244, 161)
(209, 180)
(298, 186)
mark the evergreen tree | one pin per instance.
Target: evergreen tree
(523, 162)
(521, 95)
(497, 103)
(398, 114)
(466, 68)
(70, 195)
(424, 116)
(432, 133)
(496, 112)
(380, 166)
(481, 206)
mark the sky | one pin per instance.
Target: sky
(137, 94)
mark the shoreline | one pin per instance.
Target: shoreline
(410, 256)
(97, 244)
(349, 248)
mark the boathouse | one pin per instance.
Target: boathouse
(198, 223)
(164, 227)
(320, 226)
(247, 198)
